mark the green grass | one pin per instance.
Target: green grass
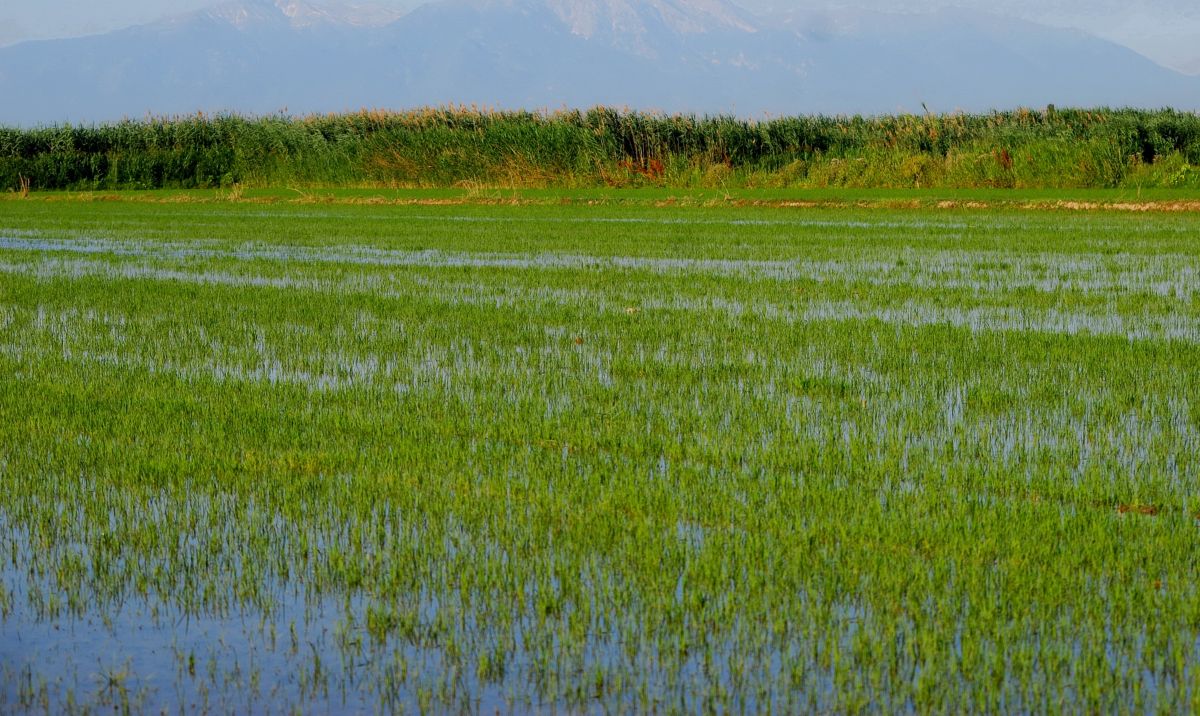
(613, 455)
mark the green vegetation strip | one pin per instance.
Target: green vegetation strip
(602, 147)
(627, 457)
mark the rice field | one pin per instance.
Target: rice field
(609, 457)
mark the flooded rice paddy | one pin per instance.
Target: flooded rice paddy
(597, 459)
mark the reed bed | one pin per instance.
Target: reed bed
(461, 146)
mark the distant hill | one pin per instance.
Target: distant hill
(704, 56)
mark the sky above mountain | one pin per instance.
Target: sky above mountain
(1163, 30)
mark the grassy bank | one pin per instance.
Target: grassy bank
(458, 147)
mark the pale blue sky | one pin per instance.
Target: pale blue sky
(1164, 30)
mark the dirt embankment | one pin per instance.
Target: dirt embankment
(507, 198)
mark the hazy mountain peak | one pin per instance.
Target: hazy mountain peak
(367, 14)
(243, 13)
(299, 14)
(589, 18)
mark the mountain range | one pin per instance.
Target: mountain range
(701, 56)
